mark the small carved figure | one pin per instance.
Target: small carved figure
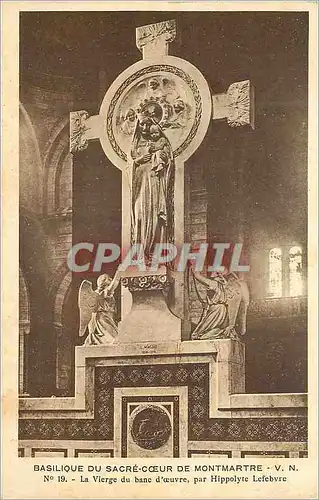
(170, 89)
(180, 115)
(179, 106)
(98, 310)
(224, 307)
(128, 125)
(158, 148)
(154, 88)
(153, 83)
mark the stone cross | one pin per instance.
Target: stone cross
(236, 105)
(177, 95)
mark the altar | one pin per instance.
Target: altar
(141, 389)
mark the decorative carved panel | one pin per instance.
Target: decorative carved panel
(200, 427)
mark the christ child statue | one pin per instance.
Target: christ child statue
(157, 148)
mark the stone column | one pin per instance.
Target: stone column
(24, 331)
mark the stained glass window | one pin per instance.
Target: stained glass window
(295, 271)
(275, 272)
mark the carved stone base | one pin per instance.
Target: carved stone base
(149, 320)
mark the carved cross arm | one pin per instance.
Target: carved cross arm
(236, 105)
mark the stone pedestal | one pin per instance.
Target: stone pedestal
(149, 320)
(163, 400)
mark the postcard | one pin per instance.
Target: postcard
(159, 249)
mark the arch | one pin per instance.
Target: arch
(57, 157)
(59, 273)
(31, 193)
(24, 331)
(56, 131)
(60, 298)
(64, 346)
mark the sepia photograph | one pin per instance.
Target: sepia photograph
(163, 246)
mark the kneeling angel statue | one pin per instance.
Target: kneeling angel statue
(98, 310)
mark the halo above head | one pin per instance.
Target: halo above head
(150, 109)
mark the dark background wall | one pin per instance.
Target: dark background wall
(253, 183)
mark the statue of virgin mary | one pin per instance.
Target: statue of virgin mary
(152, 170)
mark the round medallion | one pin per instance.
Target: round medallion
(165, 93)
(171, 92)
(150, 427)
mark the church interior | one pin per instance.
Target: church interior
(246, 184)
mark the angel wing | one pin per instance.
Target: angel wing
(233, 297)
(243, 307)
(237, 296)
(88, 303)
